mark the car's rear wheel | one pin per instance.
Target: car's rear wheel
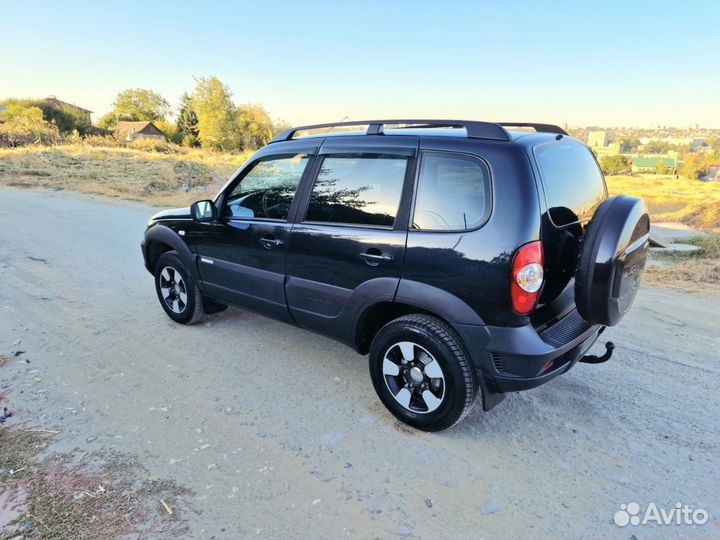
(177, 291)
(421, 372)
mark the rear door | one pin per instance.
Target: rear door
(574, 187)
(242, 254)
(348, 245)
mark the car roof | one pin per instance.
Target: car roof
(470, 129)
(523, 137)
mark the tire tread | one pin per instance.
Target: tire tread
(172, 258)
(449, 337)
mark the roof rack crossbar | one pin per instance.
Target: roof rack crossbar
(474, 129)
(544, 128)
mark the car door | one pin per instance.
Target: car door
(348, 244)
(242, 254)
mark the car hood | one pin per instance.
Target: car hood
(173, 213)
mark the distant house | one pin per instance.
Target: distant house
(131, 131)
(2, 108)
(713, 174)
(59, 104)
(651, 163)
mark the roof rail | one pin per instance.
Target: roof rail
(474, 129)
(544, 128)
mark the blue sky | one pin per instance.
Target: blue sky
(601, 63)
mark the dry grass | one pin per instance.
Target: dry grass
(689, 276)
(175, 177)
(99, 496)
(692, 202)
(703, 215)
(692, 272)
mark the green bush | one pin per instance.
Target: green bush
(27, 126)
(67, 118)
(615, 164)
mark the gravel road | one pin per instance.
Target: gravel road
(278, 434)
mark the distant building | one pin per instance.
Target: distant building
(597, 139)
(609, 150)
(2, 108)
(697, 143)
(59, 104)
(645, 164)
(131, 131)
(713, 174)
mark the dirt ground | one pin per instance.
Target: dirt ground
(273, 432)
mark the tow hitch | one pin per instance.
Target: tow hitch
(592, 359)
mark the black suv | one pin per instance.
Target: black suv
(464, 257)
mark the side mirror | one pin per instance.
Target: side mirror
(203, 211)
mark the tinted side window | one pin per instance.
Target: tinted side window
(358, 189)
(268, 189)
(574, 185)
(453, 193)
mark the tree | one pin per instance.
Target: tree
(629, 146)
(133, 105)
(216, 114)
(615, 164)
(657, 147)
(187, 123)
(169, 130)
(136, 104)
(255, 126)
(695, 165)
(281, 125)
(107, 121)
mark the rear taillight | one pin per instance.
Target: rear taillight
(527, 278)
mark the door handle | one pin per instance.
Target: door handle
(271, 243)
(373, 260)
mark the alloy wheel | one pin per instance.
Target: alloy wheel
(413, 377)
(173, 289)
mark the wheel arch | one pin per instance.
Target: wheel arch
(412, 297)
(372, 319)
(382, 312)
(161, 239)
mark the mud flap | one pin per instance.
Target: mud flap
(490, 395)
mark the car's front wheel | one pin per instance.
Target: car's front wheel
(177, 291)
(421, 372)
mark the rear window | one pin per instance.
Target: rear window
(452, 193)
(574, 185)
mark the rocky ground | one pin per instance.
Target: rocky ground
(248, 427)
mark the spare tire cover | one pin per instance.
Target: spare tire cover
(612, 259)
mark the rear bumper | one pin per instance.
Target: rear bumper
(519, 358)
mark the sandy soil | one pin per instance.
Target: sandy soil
(278, 434)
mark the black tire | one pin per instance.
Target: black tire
(612, 260)
(191, 310)
(430, 336)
